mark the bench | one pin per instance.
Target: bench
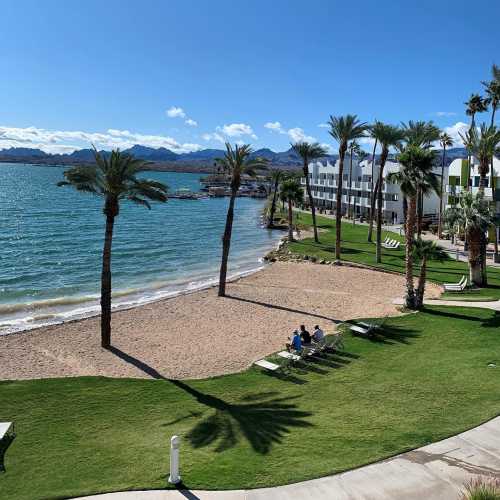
(267, 365)
(7, 435)
(289, 355)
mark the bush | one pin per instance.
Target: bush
(482, 489)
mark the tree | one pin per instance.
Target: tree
(353, 147)
(492, 89)
(421, 133)
(114, 178)
(415, 163)
(423, 251)
(387, 136)
(275, 177)
(361, 155)
(475, 217)
(446, 142)
(309, 152)
(485, 146)
(291, 192)
(373, 189)
(468, 139)
(475, 104)
(236, 162)
(343, 129)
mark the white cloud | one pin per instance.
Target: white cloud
(275, 127)
(175, 112)
(454, 130)
(191, 122)
(445, 113)
(328, 147)
(67, 141)
(215, 136)
(324, 125)
(237, 130)
(298, 135)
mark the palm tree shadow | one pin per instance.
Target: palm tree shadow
(262, 419)
(390, 334)
(492, 321)
(283, 308)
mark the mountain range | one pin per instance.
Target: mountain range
(165, 159)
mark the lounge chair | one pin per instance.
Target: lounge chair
(456, 287)
(267, 365)
(7, 435)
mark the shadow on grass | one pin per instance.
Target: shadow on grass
(491, 322)
(388, 334)
(282, 308)
(4, 446)
(261, 418)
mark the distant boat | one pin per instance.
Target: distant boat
(187, 194)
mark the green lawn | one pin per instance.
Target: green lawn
(425, 378)
(355, 248)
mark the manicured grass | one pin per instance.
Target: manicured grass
(424, 378)
(355, 248)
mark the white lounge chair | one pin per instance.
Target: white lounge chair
(267, 365)
(289, 355)
(456, 287)
(360, 330)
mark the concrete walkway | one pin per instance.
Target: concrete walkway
(494, 305)
(434, 472)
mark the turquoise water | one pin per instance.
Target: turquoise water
(51, 244)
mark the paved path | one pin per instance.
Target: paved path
(492, 304)
(434, 472)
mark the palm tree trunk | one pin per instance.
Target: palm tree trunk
(290, 220)
(311, 200)
(110, 210)
(475, 269)
(410, 231)
(421, 284)
(226, 243)
(372, 195)
(492, 175)
(270, 222)
(440, 223)
(372, 211)
(380, 183)
(420, 209)
(338, 215)
(349, 187)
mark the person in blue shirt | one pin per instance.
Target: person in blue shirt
(296, 344)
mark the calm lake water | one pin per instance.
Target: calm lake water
(51, 243)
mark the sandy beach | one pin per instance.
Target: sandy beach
(199, 334)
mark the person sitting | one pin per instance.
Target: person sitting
(296, 344)
(318, 334)
(305, 335)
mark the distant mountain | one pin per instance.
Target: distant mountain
(165, 159)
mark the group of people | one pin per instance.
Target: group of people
(303, 338)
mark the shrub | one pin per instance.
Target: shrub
(482, 488)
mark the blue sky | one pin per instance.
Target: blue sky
(109, 71)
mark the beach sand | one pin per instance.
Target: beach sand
(201, 335)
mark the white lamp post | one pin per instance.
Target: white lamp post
(175, 443)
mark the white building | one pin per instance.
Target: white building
(324, 182)
(459, 179)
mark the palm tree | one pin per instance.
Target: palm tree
(428, 183)
(485, 146)
(275, 177)
(291, 192)
(236, 162)
(492, 89)
(415, 163)
(373, 189)
(468, 139)
(423, 251)
(309, 152)
(475, 104)
(114, 178)
(387, 136)
(446, 142)
(353, 147)
(475, 217)
(421, 133)
(361, 155)
(343, 129)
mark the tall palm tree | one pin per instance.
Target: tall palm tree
(343, 129)
(387, 136)
(475, 217)
(428, 183)
(114, 178)
(308, 152)
(361, 155)
(423, 251)
(373, 189)
(415, 162)
(291, 192)
(420, 133)
(475, 104)
(468, 139)
(236, 162)
(485, 146)
(275, 177)
(353, 147)
(446, 142)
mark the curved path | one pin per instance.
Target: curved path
(434, 472)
